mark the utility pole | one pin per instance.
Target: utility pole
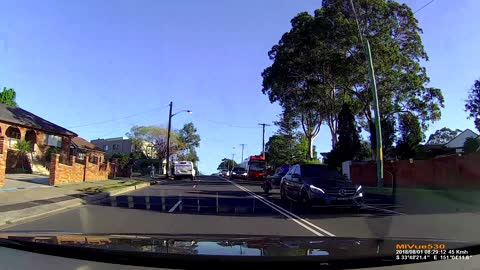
(170, 115)
(168, 138)
(376, 109)
(233, 160)
(263, 138)
(243, 146)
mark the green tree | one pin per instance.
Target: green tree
(411, 136)
(471, 145)
(348, 145)
(227, 164)
(290, 80)
(8, 96)
(397, 48)
(23, 148)
(320, 64)
(443, 136)
(152, 140)
(472, 105)
(123, 159)
(190, 140)
(365, 151)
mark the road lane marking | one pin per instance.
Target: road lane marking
(175, 206)
(385, 210)
(194, 186)
(300, 221)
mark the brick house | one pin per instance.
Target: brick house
(82, 149)
(18, 124)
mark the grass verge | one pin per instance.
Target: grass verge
(106, 188)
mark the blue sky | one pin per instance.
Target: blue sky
(77, 63)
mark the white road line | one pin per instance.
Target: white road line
(175, 206)
(300, 221)
(194, 186)
(385, 210)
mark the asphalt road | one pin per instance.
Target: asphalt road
(213, 205)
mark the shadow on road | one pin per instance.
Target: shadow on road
(232, 203)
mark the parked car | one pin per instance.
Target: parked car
(238, 173)
(316, 184)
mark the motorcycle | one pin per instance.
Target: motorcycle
(267, 186)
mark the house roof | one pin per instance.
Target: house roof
(84, 144)
(461, 133)
(21, 117)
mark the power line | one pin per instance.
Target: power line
(228, 125)
(116, 119)
(424, 6)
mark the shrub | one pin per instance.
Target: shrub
(51, 150)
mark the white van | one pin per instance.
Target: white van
(183, 169)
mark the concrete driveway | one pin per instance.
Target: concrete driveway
(24, 180)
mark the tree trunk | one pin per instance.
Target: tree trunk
(333, 133)
(310, 147)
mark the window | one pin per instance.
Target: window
(53, 140)
(81, 156)
(320, 171)
(296, 170)
(115, 146)
(105, 147)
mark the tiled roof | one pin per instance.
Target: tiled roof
(19, 116)
(82, 143)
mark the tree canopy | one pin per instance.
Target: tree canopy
(319, 64)
(287, 149)
(348, 146)
(189, 139)
(411, 136)
(152, 140)
(472, 105)
(443, 136)
(8, 96)
(471, 145)
(227, 164)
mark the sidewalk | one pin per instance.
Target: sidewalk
(428, 201)
(20, 204)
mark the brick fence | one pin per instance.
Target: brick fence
(3, 159)
(74, 171)
(453, 171)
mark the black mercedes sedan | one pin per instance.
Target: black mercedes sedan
(319, 185)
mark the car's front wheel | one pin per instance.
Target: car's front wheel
(305, 200)
(283, 195)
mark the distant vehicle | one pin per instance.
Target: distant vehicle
(224, 173)
(256, 167)
(183, 169)
(315, 184)
(238, 173)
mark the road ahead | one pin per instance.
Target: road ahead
(213, 205)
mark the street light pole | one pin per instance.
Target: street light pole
(263, 139)
(170, 115)
(168, 139)
(243, 146)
